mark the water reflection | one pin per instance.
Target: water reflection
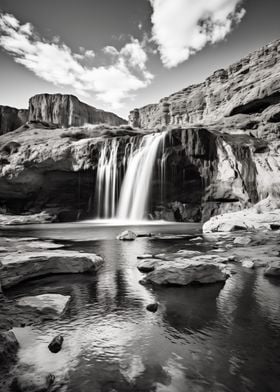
(216, 338)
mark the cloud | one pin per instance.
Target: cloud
(125, 72)
(183, 27)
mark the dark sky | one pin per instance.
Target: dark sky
(95, 24)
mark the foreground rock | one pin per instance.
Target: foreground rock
(264, 215)
(186, 271)
(127, 235)
(273, 268)
(56, 344)
(46, 303)
(152, 307)
(17, 267)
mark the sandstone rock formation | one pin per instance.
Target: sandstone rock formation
(186, 271)
(46, 303)
(67, 110)
(58, 109)
(249, 86)
(11, 118)
(221, 152)
(261, 216)
(17, 267)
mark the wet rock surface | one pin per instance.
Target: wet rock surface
(16, 268)
(186, 271)
(127, 235)
(56, 344)
(46, 303)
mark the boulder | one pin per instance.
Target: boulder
(147, 265)
(127, 235)
(152, 307)
(184, 272)
(56, 344)
(46, 303)
(17, 267)
(273, 268)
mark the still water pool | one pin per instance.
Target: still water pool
(212, 338)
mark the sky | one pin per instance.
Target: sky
(121, 54)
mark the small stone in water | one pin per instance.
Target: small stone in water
(127, 235)
(152, 307)
(56, 344)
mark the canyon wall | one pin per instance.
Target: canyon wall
(11, 118)
(246, 87)
(206, 172)
(221, 152)
(67, 110)
(61, 110)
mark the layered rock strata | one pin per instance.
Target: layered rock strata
(249, 86)
(67, 111)
(59, 109)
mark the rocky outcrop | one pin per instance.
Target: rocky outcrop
(11, 118)
(181, 271)
(67, 111)
(61, 110)
(220, 153)
(53, 304)
(17, 267)
(262, 216)
(247, 87)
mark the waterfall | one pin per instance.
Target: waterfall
(133, 175)
(136, 184)
(107, 179)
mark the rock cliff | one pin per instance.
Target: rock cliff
(11, 118)
(247, 87)
(58, 109)
(67, 110)
(221, 152)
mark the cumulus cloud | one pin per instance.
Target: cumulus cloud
(183, 27)
(55, 62)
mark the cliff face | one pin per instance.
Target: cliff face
(227, 162)
(67, 110)
(11, 118)
(206, 171)
(246, 87)
(58, 109)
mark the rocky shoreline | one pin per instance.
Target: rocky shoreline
(24, 259)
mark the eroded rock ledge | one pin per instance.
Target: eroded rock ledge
(221, 153)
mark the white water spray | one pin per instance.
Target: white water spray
(136, 184)
(107, 179)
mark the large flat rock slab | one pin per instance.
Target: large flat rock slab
(17, 267)
(263, 216)
(44, 303)
(185, 271)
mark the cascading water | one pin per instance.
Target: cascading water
(138, 162)
(107, 180)
(136, 184)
